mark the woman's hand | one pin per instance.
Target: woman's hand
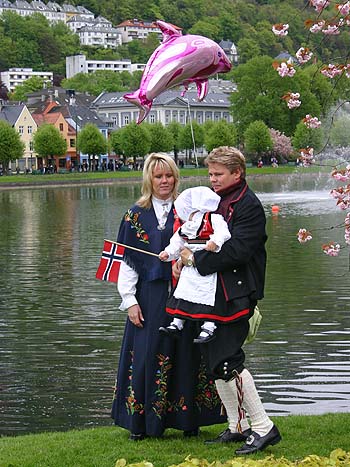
(135, 315)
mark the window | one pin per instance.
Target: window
(72, 143)
(126, 119)
(31, 146)
(21, 129)
(61, 126)
(30, 130)
(152, 118)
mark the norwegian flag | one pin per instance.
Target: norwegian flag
(112, 255)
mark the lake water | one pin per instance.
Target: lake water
(61, 330)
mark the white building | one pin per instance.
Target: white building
(230, 50)
(79, 64)
(77, 22)
(16, 76)
(99, 36)
(136, 29)
(52, 10)
(169, 106)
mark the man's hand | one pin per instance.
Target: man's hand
(135, 315)
(176, 269)
(185, 254)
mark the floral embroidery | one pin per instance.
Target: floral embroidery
(207, 395)
(133, 217)
(163, 405)
(132, 405)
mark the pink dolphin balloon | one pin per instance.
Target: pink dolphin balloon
(178, 60)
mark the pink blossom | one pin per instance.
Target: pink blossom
(347, 70)
(343, 205)
(285, 69)
(311, 122)
(343, 175)
(319, 5)
(280, 29)
(347, 237)
(307, 156)
(292, 99)
(347, 229)
(303, 55)
(331, 249)
(293, 103)
(330, 71)
(281, 143)
(337, 193)
(304, 236)
(331, 30)
(344, 8)
(318, 26)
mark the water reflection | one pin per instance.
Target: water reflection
(60, 329)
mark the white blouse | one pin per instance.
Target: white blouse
(128, 278)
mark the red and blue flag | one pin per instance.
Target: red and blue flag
(112, 256)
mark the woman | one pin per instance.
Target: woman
(241, 268)
(160, 383)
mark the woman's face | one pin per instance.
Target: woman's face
(163, 182)
(220, 177)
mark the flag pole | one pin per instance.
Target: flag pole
(133, 248)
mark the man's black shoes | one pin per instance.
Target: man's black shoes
(255, 442)
(227, 436)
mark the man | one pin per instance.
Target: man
(241, 267)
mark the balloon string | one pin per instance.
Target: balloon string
(192, 133)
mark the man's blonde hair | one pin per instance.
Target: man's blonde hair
(153, 161)
(230, 157)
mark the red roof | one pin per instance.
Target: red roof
(143, 24)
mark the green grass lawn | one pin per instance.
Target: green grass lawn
(90, 177)
(302, 436)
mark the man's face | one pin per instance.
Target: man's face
(220, 177)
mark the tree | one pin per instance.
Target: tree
(35, 83)
(99, 81)
(257, 138)
(206, 27)
(115, 141)
(261, 93)
(307, 137)
(11, 146)
(135, 141)
(191, 136)
(340, 132)
(91, 141)
(281, 145)
(48, 142)
(161, 138)
(220, 134)
(175, 129)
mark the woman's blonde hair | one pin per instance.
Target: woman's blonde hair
(153, 161)
(228, 156)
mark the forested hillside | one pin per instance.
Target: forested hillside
(32, 42)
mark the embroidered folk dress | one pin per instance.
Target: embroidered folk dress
(161, 383)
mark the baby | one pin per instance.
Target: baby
(194, 294)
